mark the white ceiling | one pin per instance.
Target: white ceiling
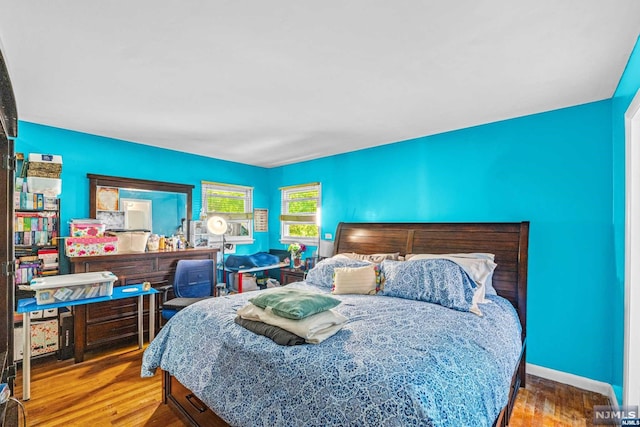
(280, 81)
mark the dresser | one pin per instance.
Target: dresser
(115, 322)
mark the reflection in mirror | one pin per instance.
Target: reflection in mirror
(127, 203)
(137, 214)
(238, 228)
(203, 237)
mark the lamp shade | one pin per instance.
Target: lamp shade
(217, 225)
(326, 249)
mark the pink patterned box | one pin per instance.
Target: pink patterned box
(44, 337)
(90, 246)
(87, 229)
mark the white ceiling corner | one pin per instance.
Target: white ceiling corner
(276, 82)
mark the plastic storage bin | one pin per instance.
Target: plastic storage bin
(71, 287)
(50, 187)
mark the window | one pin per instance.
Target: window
(235, 204)
(300, 213)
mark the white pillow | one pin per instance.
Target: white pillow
(479, 269)
(354, 280)
(377, 258)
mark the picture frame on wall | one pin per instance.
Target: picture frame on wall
(260, 219)
(107, 199)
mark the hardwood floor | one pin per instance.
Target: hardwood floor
(547, 403)
(106, 390)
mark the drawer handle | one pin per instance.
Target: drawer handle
(200, 407)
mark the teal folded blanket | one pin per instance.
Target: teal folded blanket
(294, 303)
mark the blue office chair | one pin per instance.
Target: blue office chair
(194, 281)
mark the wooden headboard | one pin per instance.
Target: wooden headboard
(508, 241)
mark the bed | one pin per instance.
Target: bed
(395, 362)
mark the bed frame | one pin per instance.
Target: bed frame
(508, 241)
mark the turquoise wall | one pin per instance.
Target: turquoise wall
(83, 153)
(627, 88)
(562, 170)
(553, 169)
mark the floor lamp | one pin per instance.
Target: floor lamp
(218, 225)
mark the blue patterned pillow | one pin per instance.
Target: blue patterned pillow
(322, 274)
(439, 281)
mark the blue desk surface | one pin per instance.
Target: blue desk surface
(253, 269)
(119, 292)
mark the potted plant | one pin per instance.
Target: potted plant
(296, 249)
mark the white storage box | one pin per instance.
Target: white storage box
(71, 287)
(45, 158)
(50, 187)
(130, 241)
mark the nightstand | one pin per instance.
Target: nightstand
(290, 275)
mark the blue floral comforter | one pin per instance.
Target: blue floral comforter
(397, 362)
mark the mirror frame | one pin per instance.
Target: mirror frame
(96, 181)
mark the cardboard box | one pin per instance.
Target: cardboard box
(71, 287)
(50, 203)
(50, 312)
(248, 282)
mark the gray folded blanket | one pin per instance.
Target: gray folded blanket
(278, 335)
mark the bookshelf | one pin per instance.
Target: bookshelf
(36, 235)
(36, 232)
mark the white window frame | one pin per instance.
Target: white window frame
(233, 219)
(287, 218)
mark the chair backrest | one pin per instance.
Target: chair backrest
(194, 278)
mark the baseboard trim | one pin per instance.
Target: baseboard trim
(574, 380)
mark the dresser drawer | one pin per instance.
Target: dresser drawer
(114, 330)
(156, 279)
(119, 268)
(112, 309)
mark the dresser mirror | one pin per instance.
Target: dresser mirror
(129, 203)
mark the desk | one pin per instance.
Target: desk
(251, 270)
(25, 306)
